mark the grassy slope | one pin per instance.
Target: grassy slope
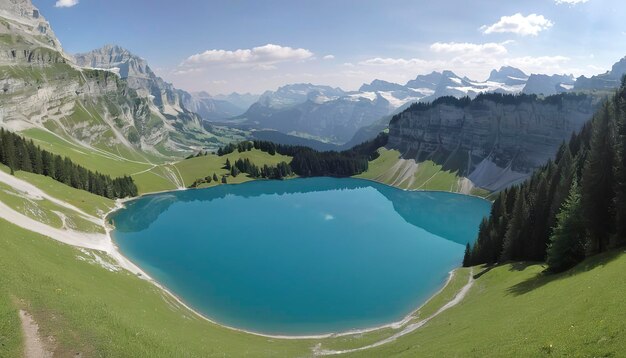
(195, 168)
(428, 176)
(511, 311)
(49, 212)
(160, 178)
(89, 158)
(514, 310)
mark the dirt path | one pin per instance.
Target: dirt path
(409, 328)
(34, 346)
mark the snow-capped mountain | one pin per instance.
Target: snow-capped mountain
(331, 114)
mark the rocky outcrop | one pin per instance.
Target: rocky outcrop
(493, 140)
(43, 88)
(606, 81)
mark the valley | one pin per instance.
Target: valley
(139, 219)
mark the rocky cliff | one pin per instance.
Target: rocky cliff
(493, 140)
(43, 90)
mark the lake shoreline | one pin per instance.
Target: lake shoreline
(120, 204)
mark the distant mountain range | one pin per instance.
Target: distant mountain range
(328, 116)
(332, 115)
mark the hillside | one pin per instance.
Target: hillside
(490, 142)
(62, 288)
(47, 95)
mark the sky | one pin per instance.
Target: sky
(221, 46)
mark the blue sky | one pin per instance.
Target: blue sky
(235, 45)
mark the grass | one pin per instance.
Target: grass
(512, 310)
(200, 167)
(428, 176)
(46, 211)
(92, 159)
(164, 177)
(91, 310)
(90, 203)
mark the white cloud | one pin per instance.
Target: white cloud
(66, 3)
(519, 24)
(466, 48)
(378, 61)
(262, 57)
(328, 57)
(541, 64)
(328, 217)
(571, 2)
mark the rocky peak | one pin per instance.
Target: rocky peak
(118, 59)
(30, 29)
(619, 68)
(508, 75)
(380, 85)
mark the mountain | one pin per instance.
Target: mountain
(242, 101)
(509, 76)
(606, 81)
(208, 107)
(548, 85)
(140, 77)
(333, 115)
(119, 106)
(493, 140)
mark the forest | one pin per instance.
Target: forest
(308, 162)
(571, 208)
(18, 153)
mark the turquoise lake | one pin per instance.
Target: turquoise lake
(301, 256)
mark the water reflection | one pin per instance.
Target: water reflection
(443, 214)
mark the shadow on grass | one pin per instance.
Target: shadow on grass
(546, 277)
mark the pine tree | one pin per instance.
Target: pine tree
(619, 238)
(227, 165)
(597, 184)
(513, 240)
(567, 243)
(214, 177)
(467, 257)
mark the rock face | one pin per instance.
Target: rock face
(140, 77)
(548, 85)
(493, 140)
(27, 36)
(606, 81)
(43, 88)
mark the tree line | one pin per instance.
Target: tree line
(244, 165)
(573, 207)
(307, 162)
(18, 153)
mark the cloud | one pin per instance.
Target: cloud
(466, 48)
(378, 61)
(541, 64)
(328, 57)
(328, 217)
(519, 24)
(571, 2)
(66, 3)
(262, 57)
(472, 59)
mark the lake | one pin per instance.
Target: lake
(301, 256)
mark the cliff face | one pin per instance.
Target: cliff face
(42, 88)
(493, 141)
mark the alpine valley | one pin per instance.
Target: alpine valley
(445, 216)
